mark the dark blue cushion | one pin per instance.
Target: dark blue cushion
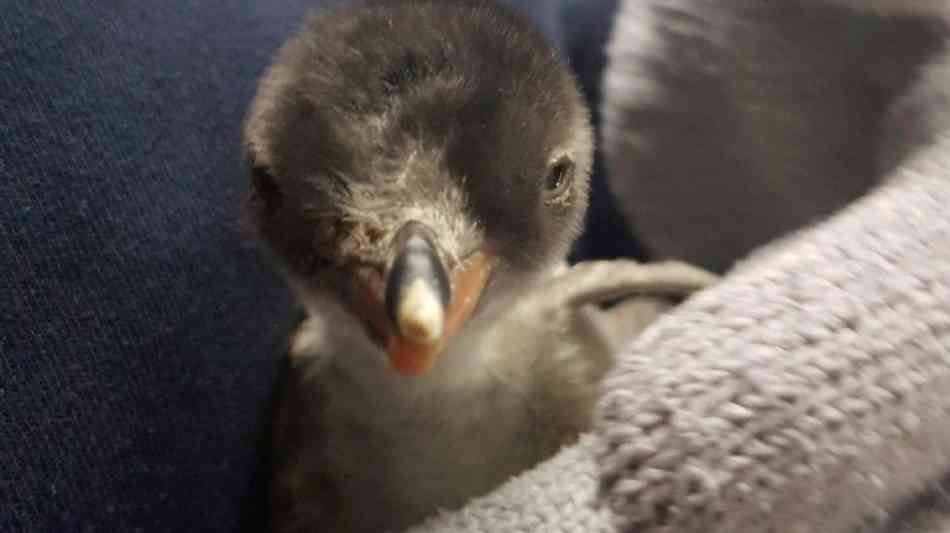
(140, 333)
(138, 329)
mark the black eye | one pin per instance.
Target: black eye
(265, 186)
(559, 178)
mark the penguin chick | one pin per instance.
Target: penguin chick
(419, 169)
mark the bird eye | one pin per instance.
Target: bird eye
(265, 186)
(559, 178)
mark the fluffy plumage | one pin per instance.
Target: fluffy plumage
(447, 113)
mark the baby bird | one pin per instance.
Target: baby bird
(419, 170)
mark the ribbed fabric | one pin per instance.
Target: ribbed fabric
(810, 392)
(807, 394)
(139, 333)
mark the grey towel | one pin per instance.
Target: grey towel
(809, 392)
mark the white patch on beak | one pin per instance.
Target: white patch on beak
(420, 316)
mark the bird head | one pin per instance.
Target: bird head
(410, 158)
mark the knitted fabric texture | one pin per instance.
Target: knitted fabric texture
(810, 393)
(806, 393)
(555, 497)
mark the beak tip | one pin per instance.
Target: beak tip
(420, 333)
(410, 359)
(421, 315)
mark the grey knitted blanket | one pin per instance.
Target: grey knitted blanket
(809, 391)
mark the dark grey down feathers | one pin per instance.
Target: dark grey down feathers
(456, 119)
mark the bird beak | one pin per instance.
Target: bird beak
(425, 306)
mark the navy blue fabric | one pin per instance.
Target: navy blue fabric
(140, 333)
(138, 330)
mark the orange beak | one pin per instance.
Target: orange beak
(414, 358)
(416, 310)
